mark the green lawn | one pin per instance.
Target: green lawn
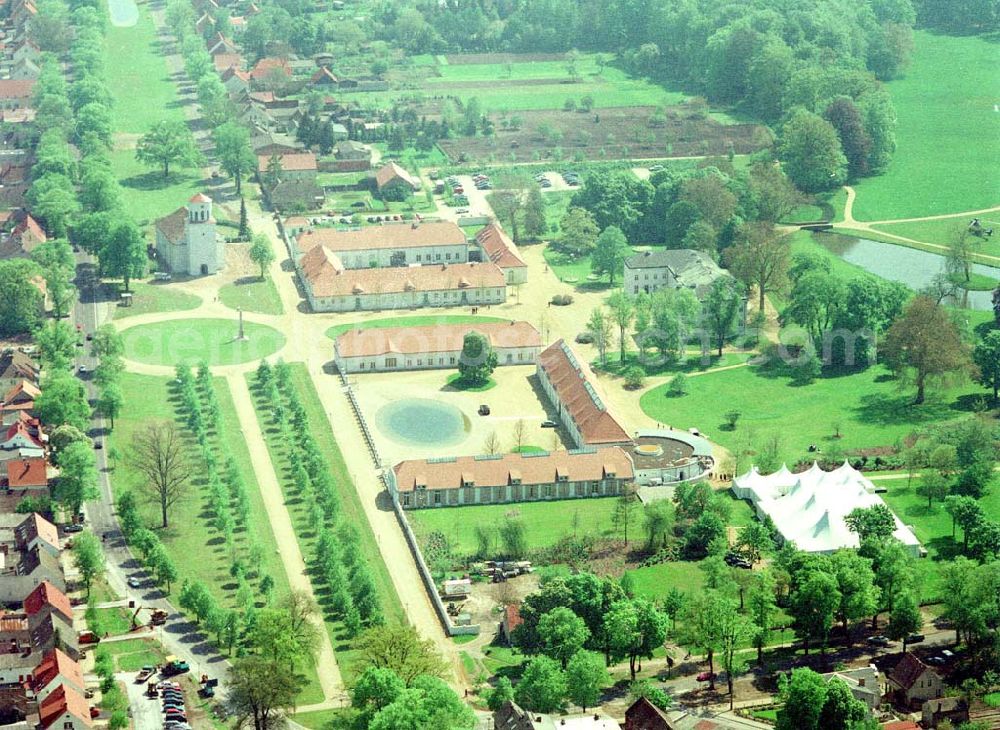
(325, 719)
(133, 654)
(945, 231)
(147, 194)
(586, 65)
(545, 522)
(252, 295)
(138, 78)
(353, 510)
(656, 580)
(154, 297)
(868, 405)
(992, 699)
(419, 321)
(194, 340)
(947, 121)
(112, 621)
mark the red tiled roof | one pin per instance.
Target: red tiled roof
(266, 66)
(18, 428)
(327, 277)
(294, 162)
(199, 198)
(907, 671)
(574, 387)
(434, 338)
(174, 225)
(391, 172)
(901, 725)
(29, 228)
(23, 473)
(233, 71)
(531, 469)
(499, 247)
(60, 701)
(417, 235)
(34, 525)
(16, 88)
(23, 387)
(46, 594)
(224, 61)
(54, 664)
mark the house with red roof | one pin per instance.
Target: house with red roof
(294, 166)
(55, 670)
(24, 476)
(19, 438)
(16, 93)
(46, 598)
(235, 80)
(17, 401)
(26, 235)
(500, 249)
(395, 183)
(34, 531)
(269, 72)
(64, 709)
(911, 682)
(15, 366)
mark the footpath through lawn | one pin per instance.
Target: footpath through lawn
(351, 510)
(192, 540)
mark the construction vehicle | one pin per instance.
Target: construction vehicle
(158, 617)
(145, 673)
(174, 666)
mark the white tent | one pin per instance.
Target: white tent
(809, 508)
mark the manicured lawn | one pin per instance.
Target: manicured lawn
(148, 297)
(112, 621)
(545, 522)
(194, 340)
(420, 321)
(945, 105)
(946, 230)
(656, 580)
(133, 654)
(252, 295)
(147, 194)
(352, 509)
(868, 405)
(325, 719)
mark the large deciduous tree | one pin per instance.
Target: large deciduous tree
(261, 692)
(986, 356)
(811, 153)
(168, 143)
(88, 557)
(924, 342)
(563, 634)
(477, 360)
(759, 259)
(400, 649)
(20, 297)
(232, 147)
(159, 453)
(610, 251)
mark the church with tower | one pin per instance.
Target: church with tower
(186, 240)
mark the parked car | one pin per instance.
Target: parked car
(82, 369)
(94, 712)
(915, 638)
(484, 410)
(550, 424)
(878, 640)
(706, 676)
(73, 528)
(462, 211)
(938, 661)
(133, 582)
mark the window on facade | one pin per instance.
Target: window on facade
(420, 362)
(437, 257)
(418, 257)
(409, 363)
(390, 362)
(447, 257)
(406, 500)
(361, 366)
(451, 361)
(437, 497)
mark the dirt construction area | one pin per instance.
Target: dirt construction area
(607, 134)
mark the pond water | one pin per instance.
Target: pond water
(124, 13)
(422, 422)
(909, 266)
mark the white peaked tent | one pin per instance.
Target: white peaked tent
(809, 508)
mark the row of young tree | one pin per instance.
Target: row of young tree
(337, 555)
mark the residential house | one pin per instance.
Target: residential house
(64, 709)
(511, 717)
(332, 288)
(296, 224)
(270, 72)
(296, 195)
(294, 166)
(431, 346)
(235, 80)
(644, 715)
(15, 667)
(953, 709)
(500, 249)
(218, 43)
(225, 61)
(911, 682)
(25, 69)
(571, 387)
(18, 130)
(672, 268)
(323, 78)
(56, 670)
(24, 476)
(19, 439)
(394, 183)
(515, 477)
(26, 235)
(863, 683)
(187, 242)
(392, 245)
(339, 131)
(46, 599)
(27, 532)
(17, 580)
(19, 399)
(511, 620)
(239, 24)
(26, 50)
(15, 366)
(352, 156)
(204, 24)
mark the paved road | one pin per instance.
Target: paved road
(146, 711)
(179, 636)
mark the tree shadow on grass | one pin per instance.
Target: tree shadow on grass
(154, 180)
(887, 409)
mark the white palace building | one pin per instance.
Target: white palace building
(809, 508)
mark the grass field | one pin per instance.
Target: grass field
(353, 510)
(147, 194)
(420, 321)
(133, 654)
(191, 533)
(868, 405)
(111, 621)
(947, 121)
(148, 298)
(194, 340)
(946, 230)
(545, 522)
(252, 295)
